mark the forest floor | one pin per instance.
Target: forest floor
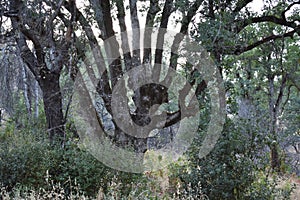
(296, 192)
(292, 180)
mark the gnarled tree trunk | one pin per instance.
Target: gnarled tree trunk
(52, 98)
(46, 73)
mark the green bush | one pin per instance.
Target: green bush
(21, 159)
(230, 170)
(29, 164)
(268, 187)
(27, 160)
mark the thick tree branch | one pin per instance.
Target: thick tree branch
(153, 10)
(136, 54)
(112, 51)
(211, 12)
(107, 18)
(36, 63)
(280, 21)
(240, 5)
(288, 8)
(124, 37)
(179, 37)
(280, 93)
(173, 118)
(239, 50)
(103, 84)
(183, 30)
(167, 10)
(99, 18)
(28, 56)
(37, 46)
(55, 14)
(90, 35)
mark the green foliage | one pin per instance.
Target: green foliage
(20, 159)
(235, 169)
(226, 172)
(27, 160)
(230, 170)
(265, 187)
(53, 191)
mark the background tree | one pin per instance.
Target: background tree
(265, 77)
(45, 52)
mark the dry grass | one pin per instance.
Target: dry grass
(291, 181)
(158, 186)
(296, 192)
(155, 188)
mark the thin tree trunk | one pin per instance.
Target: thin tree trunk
(26, 92)
(273, 113)
(275, 161)
(0, 117)
(135, 24)
(36, 102)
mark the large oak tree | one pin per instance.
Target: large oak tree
(45, 34)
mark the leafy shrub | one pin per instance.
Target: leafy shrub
(21, 160)
(27, 159)
(229, 170)
(29, 167)
(267, 187)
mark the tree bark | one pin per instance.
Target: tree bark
(36, 102)
(47, 77)
(26, 91)
(0, 117)
(275, 160)
(52, 98)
